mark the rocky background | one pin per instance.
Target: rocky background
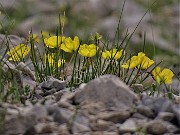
(104, 106)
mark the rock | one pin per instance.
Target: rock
(141, 123)
(146, 111)
(18, 124)
(114, 116)
(139, 116)
(53, 83)
(80, 128)
(128, 126)
(101, 125)
(42, 128)
(156, 127)
(63, 129)
(21, 73)
(48, 100)
(171, 128)
(177, 98)
(67, 96)
(38, 112)
(29, 83)
(176, 111)
(7, 64)
(157, 104)
(49, 92)
(80, 123)
(166, 116)
(62, 115)
(58, 95)
(109, 90)
(10, 40)
(26, 70)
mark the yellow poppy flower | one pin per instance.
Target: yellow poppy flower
(54, 41)
(145, 63)
(114, 53)
(165, 75)
(19, 52)
(51, 60)
(140, 61)
(131, 63)
(88, 50)
(45, 34)
(70, 45)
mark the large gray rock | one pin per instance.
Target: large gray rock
(109, 90)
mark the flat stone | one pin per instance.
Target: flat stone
(166, 116)
(42, 128)
(113, 116)
(63, 129)
(171, 128)
(26, 70)
(128, 126)
(139, 116)
(80, 128)
(146, 111)
(62, 115)
(101, 125)
(109, 90)
(156, 127)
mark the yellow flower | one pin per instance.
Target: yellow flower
(88, 50)
(19, 52)
(51, 60)
(145, 63)
(114, 53)
(165, 75)
(45, 34)
(54, 41)
(140, 61)
(33, 38)
(70, 45)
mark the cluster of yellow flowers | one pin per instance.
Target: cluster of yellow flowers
(141, 61)
(69, 45)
